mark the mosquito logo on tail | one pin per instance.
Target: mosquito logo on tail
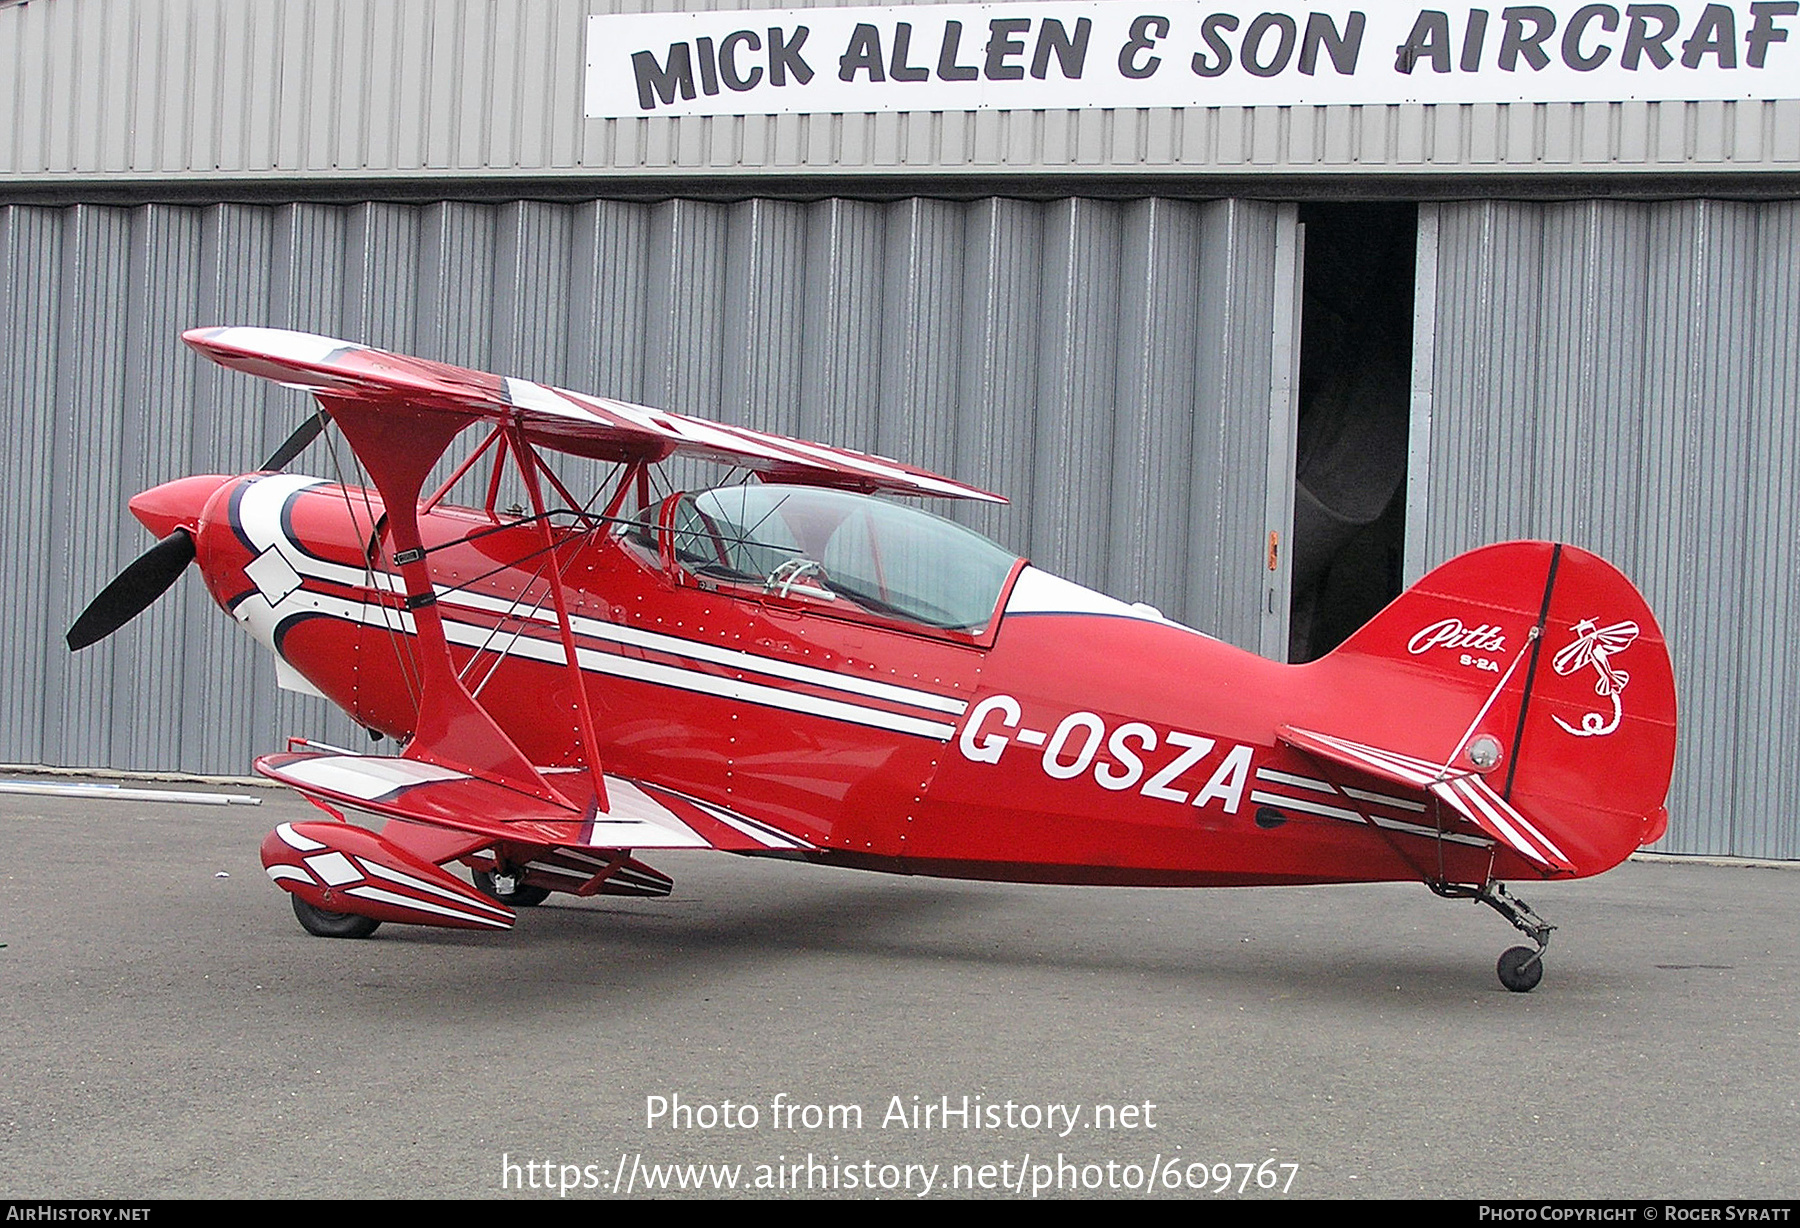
(1594, 645)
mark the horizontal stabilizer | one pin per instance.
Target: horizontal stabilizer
(1465, 792)
(642, 816)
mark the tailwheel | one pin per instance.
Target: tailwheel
(1521, 968)
(510, 889)
(323, 924)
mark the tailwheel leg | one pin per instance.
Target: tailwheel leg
(1520, 968)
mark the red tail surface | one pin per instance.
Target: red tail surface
(1539, 668)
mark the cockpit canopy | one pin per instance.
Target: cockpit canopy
(853, 551)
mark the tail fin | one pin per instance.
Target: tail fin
(1547, 654)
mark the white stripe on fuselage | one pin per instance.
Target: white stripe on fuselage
(259, 511)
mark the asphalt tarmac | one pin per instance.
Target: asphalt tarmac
(167, 1030)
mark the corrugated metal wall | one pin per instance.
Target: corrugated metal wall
(1617, 375)
(136, 90)
(1106, 364)
(1624, 377)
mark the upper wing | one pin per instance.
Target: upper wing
(554, 418)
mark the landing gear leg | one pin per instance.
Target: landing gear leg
(1520, 968)
(508, 889)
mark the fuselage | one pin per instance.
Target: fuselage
(1066, 737)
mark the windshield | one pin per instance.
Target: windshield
(827, 545)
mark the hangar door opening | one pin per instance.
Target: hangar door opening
(1351, 409)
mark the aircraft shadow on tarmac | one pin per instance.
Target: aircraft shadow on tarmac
(886, 933)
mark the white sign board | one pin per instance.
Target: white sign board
(1190, 53)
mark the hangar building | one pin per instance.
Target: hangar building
(1256, 311)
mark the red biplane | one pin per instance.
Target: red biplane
(797, 666)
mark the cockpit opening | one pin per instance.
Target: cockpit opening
(852, 552)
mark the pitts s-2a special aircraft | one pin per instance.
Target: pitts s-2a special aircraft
(794, 666)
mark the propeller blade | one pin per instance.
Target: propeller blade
(133, 590)
(150, 575)
(296, 443)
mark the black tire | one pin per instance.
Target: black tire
(322, 924)
(522, 896)
(1520, 969)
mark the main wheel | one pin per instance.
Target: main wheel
(1520, 969)
(322, 924)
(521, 896)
